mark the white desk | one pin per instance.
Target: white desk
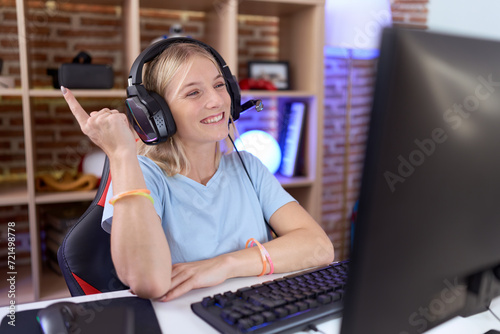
(176, 316)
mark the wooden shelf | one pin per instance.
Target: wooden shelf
(53, 285)
(11, 92)
(120, 93)
(184, 5)
(13, 193)
(93, 2)
(295, 182)
(64, 197)
(278, 93)
(275, 7)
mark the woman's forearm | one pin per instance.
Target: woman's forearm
(139, 247)
(301, 244)
(295, 251)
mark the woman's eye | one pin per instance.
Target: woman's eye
(193, 93)
(219, 85)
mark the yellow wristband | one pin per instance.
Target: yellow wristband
(139, 192)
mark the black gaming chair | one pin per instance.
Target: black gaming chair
(85, 254)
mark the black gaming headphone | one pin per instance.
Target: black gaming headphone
(148, 112)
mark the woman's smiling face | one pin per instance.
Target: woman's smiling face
(199, 102)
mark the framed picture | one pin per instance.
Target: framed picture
(276, 72)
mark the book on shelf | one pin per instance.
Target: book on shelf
(51, 255)
(61, 224)
(53, 265)
(52, 247)
(55, 235)
(291, 130)
(56, 223)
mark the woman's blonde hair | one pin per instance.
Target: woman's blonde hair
(158, 74)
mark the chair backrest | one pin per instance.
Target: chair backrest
(85, 254)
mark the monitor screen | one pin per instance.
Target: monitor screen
(427, 237)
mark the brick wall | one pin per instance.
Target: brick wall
(55, 36)
(339, 199)
(336, 206)
(410, 13)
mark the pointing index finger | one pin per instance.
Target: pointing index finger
(77, 110)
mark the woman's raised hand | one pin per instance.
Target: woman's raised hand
(108, 129)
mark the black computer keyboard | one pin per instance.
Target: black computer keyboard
(282, 305)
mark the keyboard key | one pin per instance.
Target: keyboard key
(279, 302)
(324, 299)
(256, 299)
(245, 323)
(299, 296)
(326, 289)
(335, 296)
(230, 317)
(268, 316)
(240, 291)
(281, 312)
(207, 301)
(291, 308)
(257, 319)
(309, 294)
(267, 304)
(246, 312)
(255, 308)
(224, 302)
(229, 295)
(301, 306)
(311, 303)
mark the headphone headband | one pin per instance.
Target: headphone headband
(154, 50)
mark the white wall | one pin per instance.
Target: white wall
(476, 18)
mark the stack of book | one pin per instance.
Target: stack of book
(56, 224)
(291, 129)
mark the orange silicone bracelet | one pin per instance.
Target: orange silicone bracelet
(266, 253)
(263, 257)
(139, 192)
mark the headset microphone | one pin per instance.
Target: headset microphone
(249, 104)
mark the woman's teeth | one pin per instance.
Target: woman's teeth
(213, 119)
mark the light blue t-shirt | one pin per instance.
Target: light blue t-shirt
(200, 221)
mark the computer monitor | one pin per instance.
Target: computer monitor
(427, 235)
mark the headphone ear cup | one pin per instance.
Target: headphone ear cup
(163, 119)
(233, 89)
(235, 97)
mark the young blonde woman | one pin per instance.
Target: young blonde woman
(183, 211)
